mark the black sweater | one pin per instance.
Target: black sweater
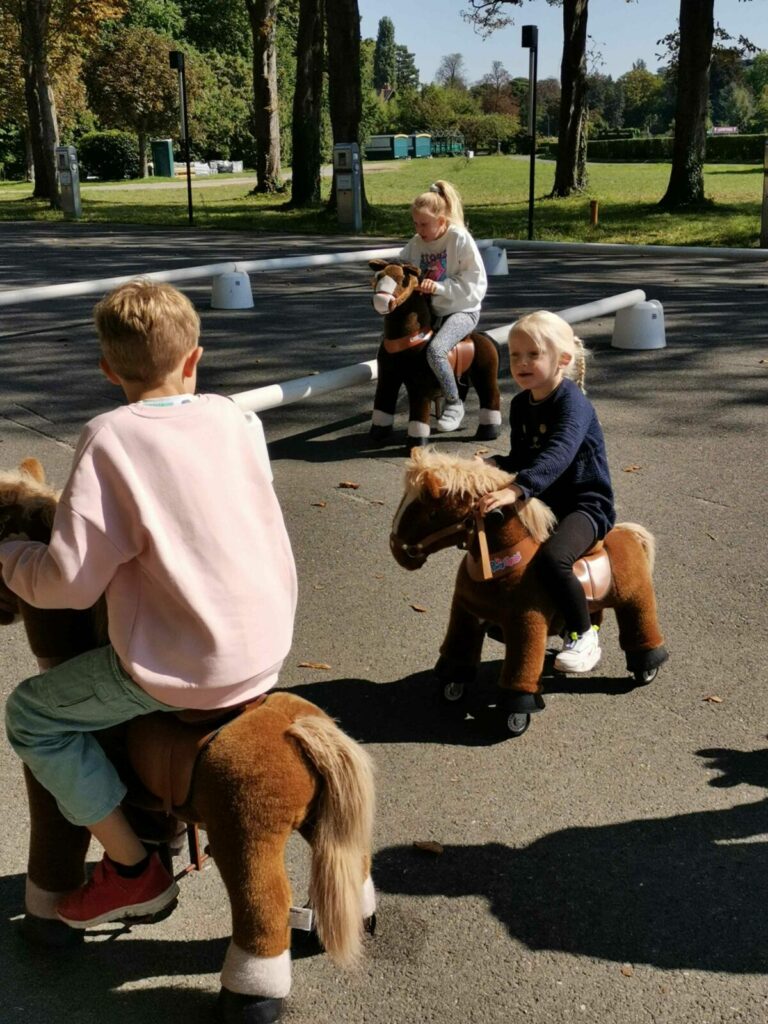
(558, 453)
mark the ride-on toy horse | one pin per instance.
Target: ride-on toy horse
(250, 780)
(402, 358)
(498, 590)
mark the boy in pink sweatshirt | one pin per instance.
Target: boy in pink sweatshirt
(169, 512)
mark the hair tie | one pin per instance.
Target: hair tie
(435, 188)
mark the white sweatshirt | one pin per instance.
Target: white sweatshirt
(454, 262)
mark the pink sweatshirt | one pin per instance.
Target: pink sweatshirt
(170, 511)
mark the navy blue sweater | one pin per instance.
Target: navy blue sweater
(558, 453)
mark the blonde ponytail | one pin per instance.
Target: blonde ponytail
(441, 200)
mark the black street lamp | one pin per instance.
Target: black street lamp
(176, 60)
(531, 42)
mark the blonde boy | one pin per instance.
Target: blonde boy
(169, 511)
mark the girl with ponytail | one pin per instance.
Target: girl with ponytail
(558, 453)
(454, 275)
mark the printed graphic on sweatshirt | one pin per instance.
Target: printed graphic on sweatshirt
(434, 265)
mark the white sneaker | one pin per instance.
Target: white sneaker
(453, 414)
(580, 653)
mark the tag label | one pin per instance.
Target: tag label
(301, 919)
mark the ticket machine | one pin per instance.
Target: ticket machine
(69, 181)
(346, 164)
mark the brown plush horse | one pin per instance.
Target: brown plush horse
(402, 358)
(498, 590)
(276, 767)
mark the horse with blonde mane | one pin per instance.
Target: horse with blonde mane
(498, 590)
(250, 778)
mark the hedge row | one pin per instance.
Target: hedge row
(721, 149)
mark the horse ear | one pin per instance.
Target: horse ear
(432, 484)
(33, 468)
(377, 264)
(411, 268)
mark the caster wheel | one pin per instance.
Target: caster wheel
(453, 692)
(643, 678)
(517, 724)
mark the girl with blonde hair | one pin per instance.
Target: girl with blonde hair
(558, 454)
(454, 276)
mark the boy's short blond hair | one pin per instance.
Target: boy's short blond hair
(145, 328)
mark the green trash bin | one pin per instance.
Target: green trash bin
(162, 158)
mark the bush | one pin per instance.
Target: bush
(737, 149)
(110, 155)
(12, 155)
(721, 149)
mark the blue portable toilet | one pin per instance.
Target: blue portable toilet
(419, 145)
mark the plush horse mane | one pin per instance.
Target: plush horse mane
(27, 488)
(455, 477)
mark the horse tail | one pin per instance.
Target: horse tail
(341, 833)
(645, 539)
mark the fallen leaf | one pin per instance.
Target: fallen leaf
(313, 373)
(762, 360)
(375, 501)
(632, 469)
(711, 536)
(482, 451)
(428, 846)
(319, 504)
(627, 970)
(314, 664)
(318, 586)
(349, 485)
(713, 699)
(378, 575)
(418, 608)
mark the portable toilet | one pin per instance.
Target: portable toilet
(399, 147)
(419, 145)
(162, 158)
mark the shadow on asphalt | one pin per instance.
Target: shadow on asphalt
(688, 891)
(93, 983)
(413, 710)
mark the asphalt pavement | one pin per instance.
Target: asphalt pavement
(609, 865)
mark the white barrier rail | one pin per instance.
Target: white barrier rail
(274, 395)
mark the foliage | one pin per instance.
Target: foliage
(12, 155)
(407, 74)
(451, 73)
(162, 16)
(109, 155)
(385, 56)
(220, 25)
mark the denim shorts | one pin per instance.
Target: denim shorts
(50, 718)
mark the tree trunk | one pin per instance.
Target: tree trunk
(263, 17)
(344, 90)
(686, 180)
(143, 160)
(40, 102)
(571, 166)
(307, 105)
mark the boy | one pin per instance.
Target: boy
(169, 511)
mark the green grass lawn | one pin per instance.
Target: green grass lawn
(495, 192)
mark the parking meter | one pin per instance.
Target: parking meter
(346, 164)
(69, 180)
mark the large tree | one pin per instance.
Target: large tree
(307, 104)
(451, 72)
(385, 56)
(345, 93)
(263, 18)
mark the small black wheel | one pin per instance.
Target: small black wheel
(642, 678)
(453, 691)
(518, 723)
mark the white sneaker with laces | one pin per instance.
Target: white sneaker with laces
(580, 653)
(453, 414)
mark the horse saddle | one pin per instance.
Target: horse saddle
(593, 572)
(460, 357)
(162, 749)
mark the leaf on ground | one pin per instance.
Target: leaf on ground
(627, 970)
(319, 504)
(713, 699)
(375, 501)
(632, 469)
(418, 608)
(482, 451)
(314, 664)
(349, 485)
(428, 846)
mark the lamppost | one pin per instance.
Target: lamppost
(176, 60)
(531, 42)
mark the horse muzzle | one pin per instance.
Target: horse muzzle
(383, 302)
(409, 556)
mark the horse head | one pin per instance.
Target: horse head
(397, 298)
(27, 503)
(437, 509)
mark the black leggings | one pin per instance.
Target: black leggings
(574, 536)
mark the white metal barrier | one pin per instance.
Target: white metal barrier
(273, 395)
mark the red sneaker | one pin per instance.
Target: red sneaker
(107, 896)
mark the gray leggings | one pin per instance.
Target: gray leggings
(452, 329)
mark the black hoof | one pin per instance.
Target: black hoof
(450, 672)
(488, 431)
(234, 1008)
(379, 433)
(524, 703)
(48, 934)
(646, 661)
(493, 630)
